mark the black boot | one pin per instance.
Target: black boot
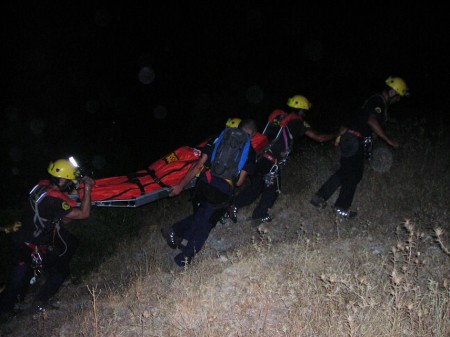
(342, 213)
(232, 213)
(172, 240)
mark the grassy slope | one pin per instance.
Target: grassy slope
(305, 273)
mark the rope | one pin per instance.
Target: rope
(57, 228)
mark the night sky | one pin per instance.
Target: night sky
(119, 86)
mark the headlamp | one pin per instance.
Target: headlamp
(73, 162)
(79, 172)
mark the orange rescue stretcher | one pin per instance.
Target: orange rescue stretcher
(151, 184)
(143, 186)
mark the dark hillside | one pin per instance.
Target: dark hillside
(382, 270)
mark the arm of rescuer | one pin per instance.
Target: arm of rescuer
(249, 167)
(82, 212)
(376, 127)
(190, 174)
(242, 177)
(320, 137)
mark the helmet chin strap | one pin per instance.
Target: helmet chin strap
(63, 187)
(300, 112)
(66, 186)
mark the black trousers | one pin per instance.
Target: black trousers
(213, 198)
(57, 264)
(269, 194)
(347, 177)
(56, 268)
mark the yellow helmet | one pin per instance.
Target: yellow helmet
(62, 168)
(299, 102)
(233, 122)
(398, 85)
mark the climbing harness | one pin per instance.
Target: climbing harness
(368, 147)
(273, 177)
(278, 121)
(37, 194)
(36, 264)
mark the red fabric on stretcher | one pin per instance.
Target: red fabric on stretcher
(164, 172)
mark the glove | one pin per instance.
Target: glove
(12, 228)
(88, 183)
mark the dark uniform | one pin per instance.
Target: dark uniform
(55, 245)
(355, 143)
(269, 194)
(212, 196)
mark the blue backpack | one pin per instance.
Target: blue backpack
(230, 153)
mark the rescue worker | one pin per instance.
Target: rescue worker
(213, 194)
(266, 181)
(356, 143)
(231, 123)
(42, 244)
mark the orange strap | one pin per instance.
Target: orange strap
(289, 118)
(62, 196)
(269, 157)
(356, 133)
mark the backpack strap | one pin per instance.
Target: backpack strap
(216, 143)
(244, 155)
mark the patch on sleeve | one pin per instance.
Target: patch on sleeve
(65, 206)
(306, 125)
(378, 109)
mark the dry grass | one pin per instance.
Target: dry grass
(307, 287)
(304, 274)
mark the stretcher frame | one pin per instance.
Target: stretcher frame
(135, 202)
